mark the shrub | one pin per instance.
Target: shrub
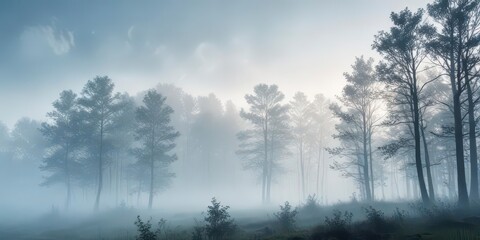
(376, 219)
(311, 206)
(198, 232)
(219, 223)
(147, 233)
(399, 216)
(145, 230)
(286, 217)
(339, 221)
(336, 227)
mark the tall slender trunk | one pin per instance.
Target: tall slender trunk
(100, 169)
(150, 198)
(472, 139)
(366, 178)
(318, 170)
(265, 160)
(67, 176)
(270, 170)
(372, 180)
(324, 178)
(152, 168)
(416, 133)
(457, 116)
(431, 190)
(302, 169)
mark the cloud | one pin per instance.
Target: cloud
(130, 32)
(36, 39)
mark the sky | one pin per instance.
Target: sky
(224, 47)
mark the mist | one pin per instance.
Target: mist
(239, 119)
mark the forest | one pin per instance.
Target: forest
(393, 155)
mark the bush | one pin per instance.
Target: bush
(339, 221)
(399, 216)
(198, 233)
(336, 227)
(286, 217)
(219, 224)
(145, 230)
(147, 233)
(311, 206)
(376, 219)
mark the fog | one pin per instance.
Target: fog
(338, 112)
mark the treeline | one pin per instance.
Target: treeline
(417, 107)
(411, 115)
(99, 142)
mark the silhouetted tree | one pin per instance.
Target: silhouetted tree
(157, 138)
(263, 145)
(62, 133)
(99, 104)
(453, 48)
(300, 116)
(356, 127)
(403, 49)
(219, 223)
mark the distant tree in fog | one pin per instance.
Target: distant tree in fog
(28, 144)
(300, 116)
(207, 134)
(157, 138)
(356, 125)
(319, 135)
(4, 141)
(266, 141)
(62, 134)
(99, 105)
(121, 141)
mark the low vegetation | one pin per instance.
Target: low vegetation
(354, 220)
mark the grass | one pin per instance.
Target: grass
(356, 220)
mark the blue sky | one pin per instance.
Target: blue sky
(225, 47)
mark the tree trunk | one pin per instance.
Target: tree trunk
(418, 157)
(472, 140)
(431, 190)
(150, 198)
(265, 160)
(100, 169)
(366, 179)
(67, 175)
(302, 168)
(372, 180)
(457, 116)
(318, 170)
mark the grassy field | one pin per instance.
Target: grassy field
(353, 220)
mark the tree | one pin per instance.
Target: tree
(208, 125)
(300, 116)
(286, 217)
(403, 49)
(157, 138)
(320, 130)
(121, 141)
(357, 121)
(219, 223)
(99, 104)
(28, 144)
(265, 143)
(453, 49)
(64, 142)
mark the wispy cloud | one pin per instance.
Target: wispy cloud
(58, 40)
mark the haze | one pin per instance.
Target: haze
(112, 109)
